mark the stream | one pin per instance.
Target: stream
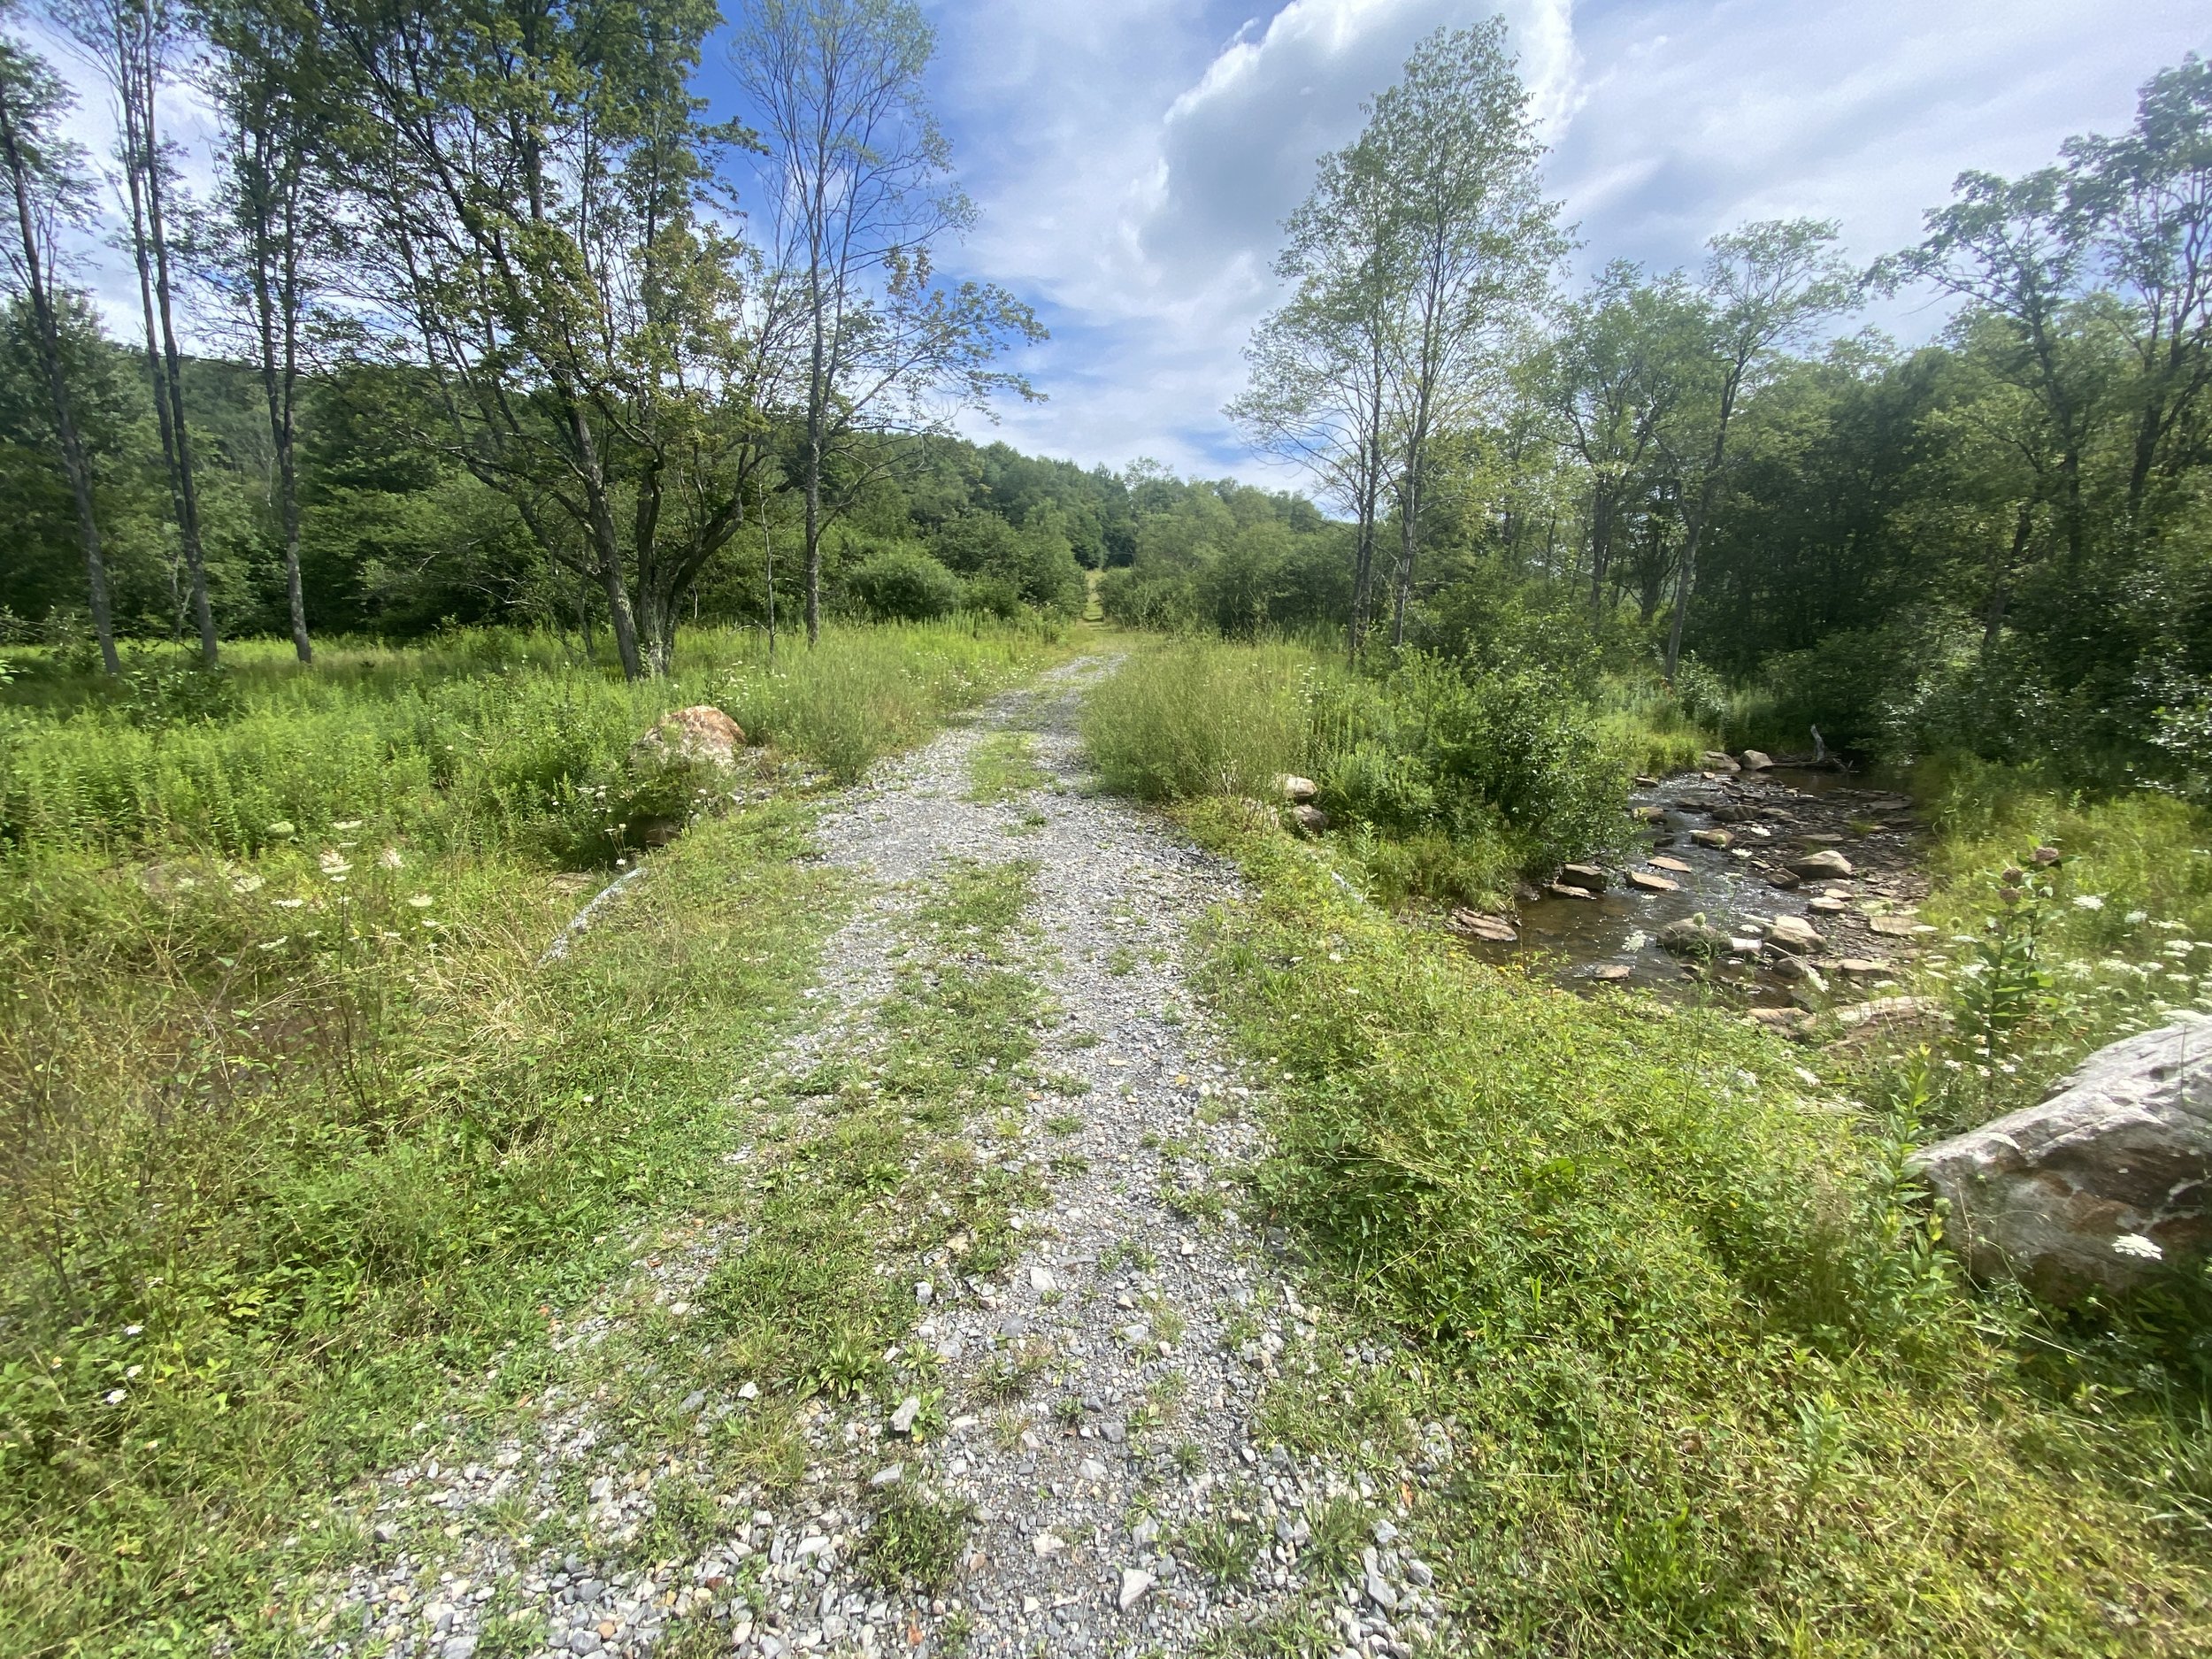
(1863, 925)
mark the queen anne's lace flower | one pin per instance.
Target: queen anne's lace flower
(2135, 1244)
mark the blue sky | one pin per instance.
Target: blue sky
(1132, 159)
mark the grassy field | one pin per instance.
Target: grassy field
(1712, 1383)
(300, 1131)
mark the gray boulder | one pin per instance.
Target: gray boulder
(2099, 1184)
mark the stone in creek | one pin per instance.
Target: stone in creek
(1560, 890)
(1753, 760)
(1475, 925)
(1828, 907)
(1795, 934)
(1649, 881)
(1585, 876)
(1646, 814)
(1821, 866)
(1893, 927)
(1791, 1022)
(1611, 973)
(1861, 967)
(1692, 937)
(1716, 760)
(1711, 837)
(1673, 866)
(1783, 879)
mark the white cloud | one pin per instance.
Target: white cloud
(1141, 199)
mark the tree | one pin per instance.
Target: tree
(1318, 386)
(2146, 203)
(544, 234)
(134, 44)
(46, 177)
(858, 182)
(1611, 379)
(272, 229)
(1765, 287)
(1472, 245)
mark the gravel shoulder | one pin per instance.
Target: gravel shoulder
(1080, 1424)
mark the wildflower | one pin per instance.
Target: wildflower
(421, 901)
(2135, 1244)
(333, 863)
(2089, 901)
(116, 1396)
(2136, 918)
(390, 858)
(131, 1375)
(134, 1330)
(343, 824)
(288, 904)
(246, 884)
(277, 943)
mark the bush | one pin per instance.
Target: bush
(900, 584)
(1434, 746)
(1194, 720)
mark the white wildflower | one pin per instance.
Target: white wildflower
(288, 904)
(2135, 1244)
(343, 824)
(390, 858)
(2089, 901)
(2136, 918)
(246, 884)
(116, 1396)
(421, 901)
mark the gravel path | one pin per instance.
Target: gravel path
(1128, 1503)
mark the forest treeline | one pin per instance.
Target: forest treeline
(512, 331)
(2000, 541)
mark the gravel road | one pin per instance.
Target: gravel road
(1131, 1503)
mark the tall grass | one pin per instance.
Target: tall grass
(477, 745)
(296, 1131)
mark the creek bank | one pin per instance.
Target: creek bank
(1775, 885)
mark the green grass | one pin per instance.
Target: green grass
(303, 1140)
(1004, 766)
(506, 742)
(1714, 1388)
(1716, 1391)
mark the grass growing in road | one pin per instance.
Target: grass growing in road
(1004, 766)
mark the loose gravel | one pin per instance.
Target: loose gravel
(1127, 1502)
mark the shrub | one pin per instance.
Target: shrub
(900, 584)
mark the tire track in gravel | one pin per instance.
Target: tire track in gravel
(1124, 1504)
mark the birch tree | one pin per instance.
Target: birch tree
(1474, 246)
(859, 186)
(133, 45)
(48, 184)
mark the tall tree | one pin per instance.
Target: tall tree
(2146, 201)
(46, 179)
(1610, 380)
(271, 233)
(859, 187)
(1473, 246)
(135, 45)
(541, 235)
(1317, 394)
(1765, 287)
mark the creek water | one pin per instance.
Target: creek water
(1595, 939)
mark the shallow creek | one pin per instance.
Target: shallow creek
(1866, 923)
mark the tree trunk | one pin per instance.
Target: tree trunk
(2000, 578)
(140, 167)
(173, 381)
(606, 539)
(1600, 549)
(816, 394)
(72, 455)
(1684, 580)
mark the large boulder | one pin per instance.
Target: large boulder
(701, 734)
(2104, 1179)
